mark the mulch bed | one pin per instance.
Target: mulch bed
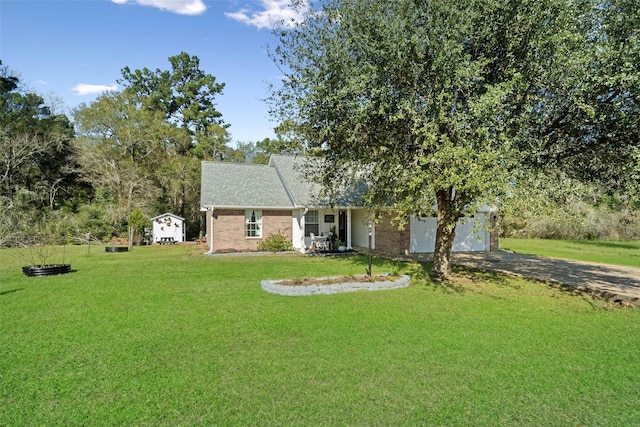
(334, 280)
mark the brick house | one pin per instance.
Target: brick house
(246, 203)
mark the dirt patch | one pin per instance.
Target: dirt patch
(118, 241)
(230, 251)
(335, 280)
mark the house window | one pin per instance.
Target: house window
(311, 223)
(253, 223)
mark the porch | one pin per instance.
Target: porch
(330, 230)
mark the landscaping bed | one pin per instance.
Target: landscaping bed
(336, 280)
(334, 285)
(46, 270)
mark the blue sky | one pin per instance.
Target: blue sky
(75, 49)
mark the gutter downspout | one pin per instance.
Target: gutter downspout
(303, 246)
(348, 242)
(211, 231)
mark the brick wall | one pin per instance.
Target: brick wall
(391, 240)
(277, 221)
(229, 228)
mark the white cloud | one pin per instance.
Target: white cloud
(275, 11)
(87, 89)
(181, 7)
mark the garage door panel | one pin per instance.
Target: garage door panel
(470, 235)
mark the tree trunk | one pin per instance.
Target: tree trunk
(182, 196)
(445, 234)
(132, 231)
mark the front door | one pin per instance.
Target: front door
(342, 226)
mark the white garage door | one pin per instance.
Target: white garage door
(470, 235)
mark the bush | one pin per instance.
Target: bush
(587, 222)
(137, 222)
(276, 242)
(92, 218)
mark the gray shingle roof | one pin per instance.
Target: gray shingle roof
(291, 170)
(233, 185)
(307, 194)
(281, 184)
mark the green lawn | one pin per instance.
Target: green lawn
(166, 336)
(606, 251)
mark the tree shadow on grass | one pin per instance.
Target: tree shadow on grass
(419, 272)
(479, 281)
(462, 280)
(478, 276)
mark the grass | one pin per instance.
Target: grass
(168, 336)
(625, 253)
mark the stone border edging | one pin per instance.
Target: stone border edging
(255, 253)
(305, 290)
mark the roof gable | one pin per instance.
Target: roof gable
(304, 193)
(291, 172)
(166, 215)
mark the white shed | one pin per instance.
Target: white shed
(168, 228)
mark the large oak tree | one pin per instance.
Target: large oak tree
(437, 103)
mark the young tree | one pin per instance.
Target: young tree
(427, 100)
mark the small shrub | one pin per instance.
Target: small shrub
(137, 222)
(395, 269)
(275, 242)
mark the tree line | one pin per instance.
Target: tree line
(130, 154)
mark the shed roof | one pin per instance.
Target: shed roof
(167, 214)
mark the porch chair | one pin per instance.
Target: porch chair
(314, 243)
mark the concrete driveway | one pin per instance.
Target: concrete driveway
(608, 281)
